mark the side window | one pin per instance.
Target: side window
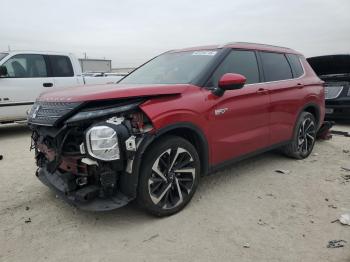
(297, 68)
(61, 66)
(276, 67)
(240, 62)
(26, 66)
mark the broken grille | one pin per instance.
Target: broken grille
(49, 113)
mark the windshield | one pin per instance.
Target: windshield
(2, 55)
(172, 68)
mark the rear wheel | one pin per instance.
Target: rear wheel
(304, 137)
(169, 176)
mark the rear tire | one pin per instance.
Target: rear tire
(169, 176)
(304, 137)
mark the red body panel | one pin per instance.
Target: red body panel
(103, 92)
(239, 122)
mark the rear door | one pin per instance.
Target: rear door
(239, 119)
(61, 69)
(27, 78)
(285, 93)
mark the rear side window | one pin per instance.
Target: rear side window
(61, 66)
(297, 68)
(239, 62)
(276, 67)
(26, 66)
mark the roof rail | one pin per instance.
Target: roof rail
(249, 43)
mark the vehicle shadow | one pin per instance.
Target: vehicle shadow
(11, 130)
(132, 214)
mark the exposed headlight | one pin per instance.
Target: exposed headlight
(102, 143)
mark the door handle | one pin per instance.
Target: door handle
(262, 91)
(47, 84)
(300, 85)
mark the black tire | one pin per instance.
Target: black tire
(304, 137)
(164, 192)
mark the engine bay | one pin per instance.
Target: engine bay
(85, 159)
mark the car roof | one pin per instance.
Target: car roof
(242, 45)
(15, 52)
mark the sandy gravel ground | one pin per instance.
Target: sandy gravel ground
(280, 217)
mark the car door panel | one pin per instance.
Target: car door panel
(239, 123)
(285, 95)
(17, 95)
(62, 71)
(285, 99)
(22, 86)
(239, 120)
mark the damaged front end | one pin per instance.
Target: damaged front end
(85, 151)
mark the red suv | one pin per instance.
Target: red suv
(180, 116)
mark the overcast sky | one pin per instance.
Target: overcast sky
(130, 32)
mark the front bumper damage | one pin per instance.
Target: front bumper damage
(67, 165)
(56, 182)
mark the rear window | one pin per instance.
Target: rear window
(297, 68)
(61, 66)
(276, 67)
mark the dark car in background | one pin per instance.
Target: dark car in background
(335, 71)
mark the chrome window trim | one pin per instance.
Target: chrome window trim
(277, 81)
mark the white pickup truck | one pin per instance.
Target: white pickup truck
(26, 74)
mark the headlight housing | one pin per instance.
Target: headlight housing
(102, 143)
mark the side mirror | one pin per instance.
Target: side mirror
(3, 71)
(229, 81)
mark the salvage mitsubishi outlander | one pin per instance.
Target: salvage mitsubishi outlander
(182, 115)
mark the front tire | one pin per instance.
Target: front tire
(169, 176)
(304, 137)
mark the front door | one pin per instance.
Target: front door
(239, 120)
(27, 78)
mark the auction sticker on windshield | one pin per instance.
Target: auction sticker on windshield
(209, 53)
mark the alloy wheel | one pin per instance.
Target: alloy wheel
(172, 178)
(306, 136)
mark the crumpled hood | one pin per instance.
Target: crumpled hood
(112, 91)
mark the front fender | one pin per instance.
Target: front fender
(129, 182)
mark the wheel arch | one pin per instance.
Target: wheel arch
(313, 109)
(186, 130)
(195, 136)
